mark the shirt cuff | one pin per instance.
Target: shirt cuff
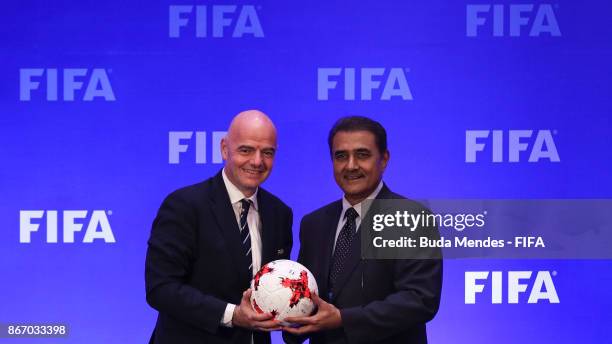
(228, 315)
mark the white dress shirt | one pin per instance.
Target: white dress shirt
(254, 223)
(358, 209)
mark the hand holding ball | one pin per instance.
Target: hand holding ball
(283, 288)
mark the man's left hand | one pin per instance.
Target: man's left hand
(327, 317)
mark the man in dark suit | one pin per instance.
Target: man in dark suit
(209, 238)
(361, 301)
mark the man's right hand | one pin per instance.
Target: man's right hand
(245, 316)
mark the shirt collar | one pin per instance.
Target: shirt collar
(357, 207)
(235, 195)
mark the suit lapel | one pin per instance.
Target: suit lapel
(226, 220)
(354, 257)
(268, 226)
(331, 222)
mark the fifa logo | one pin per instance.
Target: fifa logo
(512, 20)
(241, 21)
(96, 83)
(73, 221)
(360, 84)
(517, 282)
(179, 142)
(542, 147)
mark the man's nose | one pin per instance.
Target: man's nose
(257, 159)
(352, 163)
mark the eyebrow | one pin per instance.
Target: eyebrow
(253, 148)
(358, 150)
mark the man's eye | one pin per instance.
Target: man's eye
(269, 154)
(340, 156)
(363, 155)
(244, 150)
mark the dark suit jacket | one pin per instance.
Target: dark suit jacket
(195, 264)
(380, 301)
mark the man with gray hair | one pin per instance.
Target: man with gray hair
(384, 301)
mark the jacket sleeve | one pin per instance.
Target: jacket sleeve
(418, 285)
(169, 262)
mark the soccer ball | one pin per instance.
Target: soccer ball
(283, 288)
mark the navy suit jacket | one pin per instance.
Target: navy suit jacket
(380, 301)
(195, 263)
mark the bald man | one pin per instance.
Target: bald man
(209, 239)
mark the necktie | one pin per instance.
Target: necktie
(244, 233)
(343, 245)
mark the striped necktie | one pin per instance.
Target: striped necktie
(245, 236)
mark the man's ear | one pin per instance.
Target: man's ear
(224, 148)
(385, 158)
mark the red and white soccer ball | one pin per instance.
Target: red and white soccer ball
(284, 288)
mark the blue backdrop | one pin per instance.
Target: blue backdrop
(93, 93)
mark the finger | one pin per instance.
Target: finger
(290, 319)
(293, 319)
(267, 325)
(317, 300)
(301, 320)
(258, 317)
(246, 296)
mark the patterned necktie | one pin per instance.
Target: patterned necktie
(343, 245)
(245, 236)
